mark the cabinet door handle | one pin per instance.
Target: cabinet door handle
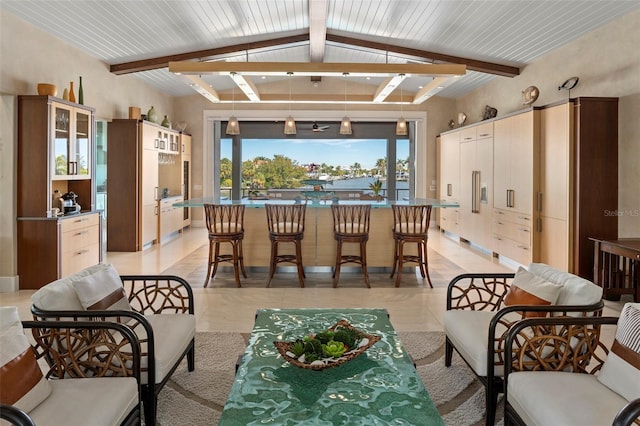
(520, 246)
(475, 191)
(449, 189)
(523, 229)
(484, 134)
(510, 197)
(155, 193)
(539, 201)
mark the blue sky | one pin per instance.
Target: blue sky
(336, 152)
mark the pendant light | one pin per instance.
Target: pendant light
(289, 123)
(401, 124)
(233, 127)
(345, 124)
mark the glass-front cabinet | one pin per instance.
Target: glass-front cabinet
(71, 150)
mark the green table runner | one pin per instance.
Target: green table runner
(379, 387)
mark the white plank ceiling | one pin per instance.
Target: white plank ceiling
(506, 32)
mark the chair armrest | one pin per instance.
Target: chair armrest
(155, 294)
(556, 344)
(478, 291)
(15, 416)
(628, 414)
(500, 324)
(76, 349)
(133, 320)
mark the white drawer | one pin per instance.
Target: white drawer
(78, 222)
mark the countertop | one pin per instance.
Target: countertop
(249, 203)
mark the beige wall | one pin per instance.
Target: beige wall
(608, 64)
(28, 56)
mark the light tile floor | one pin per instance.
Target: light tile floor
(232, 309)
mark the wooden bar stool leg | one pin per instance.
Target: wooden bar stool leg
(209, 263)
(396, 244)
(426, 263)
(236, 262)
(400, 262)
(336, 271)
(216, 258)
(241, 259)
(421, 258)
(272, 264)
(363, 261)
(301, 275)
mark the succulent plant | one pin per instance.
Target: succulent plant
(334, 349)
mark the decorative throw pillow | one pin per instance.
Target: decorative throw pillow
(530, 289)
(102, 291)
(21, 381)
(621, 371)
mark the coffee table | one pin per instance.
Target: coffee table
(379, 387)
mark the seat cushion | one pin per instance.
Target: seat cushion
(468, 331)
(575, 290)
(104, 401)
(21, 381)
(557, 398)
(621, 371)
(172, 334)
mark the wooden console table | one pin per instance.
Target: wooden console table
(616, 267)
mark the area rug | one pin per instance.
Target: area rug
(198, 398)
(193, 268)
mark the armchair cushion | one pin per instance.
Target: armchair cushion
(574, 291)
(467, 331)
(621, 371)
(530, 289)
(172, 333)
(99, 401)
(557, 398)
(102, 290)
(21, 381)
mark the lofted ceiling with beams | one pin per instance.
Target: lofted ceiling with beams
(490, 37)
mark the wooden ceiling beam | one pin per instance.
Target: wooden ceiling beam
(318, 10)
(472, 64)
(163, 61)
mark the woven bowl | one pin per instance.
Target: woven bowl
(285, 347)
(46, 89)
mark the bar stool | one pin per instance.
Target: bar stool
(351, 225)
(286, 225)
(411, 225)
(225, 225)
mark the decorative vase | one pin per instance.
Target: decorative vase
(80, 93)
(165, 122)
(65, 94)
(72, 96)
(152, 116)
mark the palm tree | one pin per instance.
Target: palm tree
(381, 166)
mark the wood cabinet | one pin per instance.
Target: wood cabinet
(515, 164)
(476, 184)
(449, 179)
(185, 143)
(516, 150)
(578, 182)
(143, 166)
(171, 219)
(55, 152)
(52, 248)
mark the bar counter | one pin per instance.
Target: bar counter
(318, 245)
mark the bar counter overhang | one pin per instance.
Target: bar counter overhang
(318, 245)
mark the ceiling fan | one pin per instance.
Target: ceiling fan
(317, 128)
